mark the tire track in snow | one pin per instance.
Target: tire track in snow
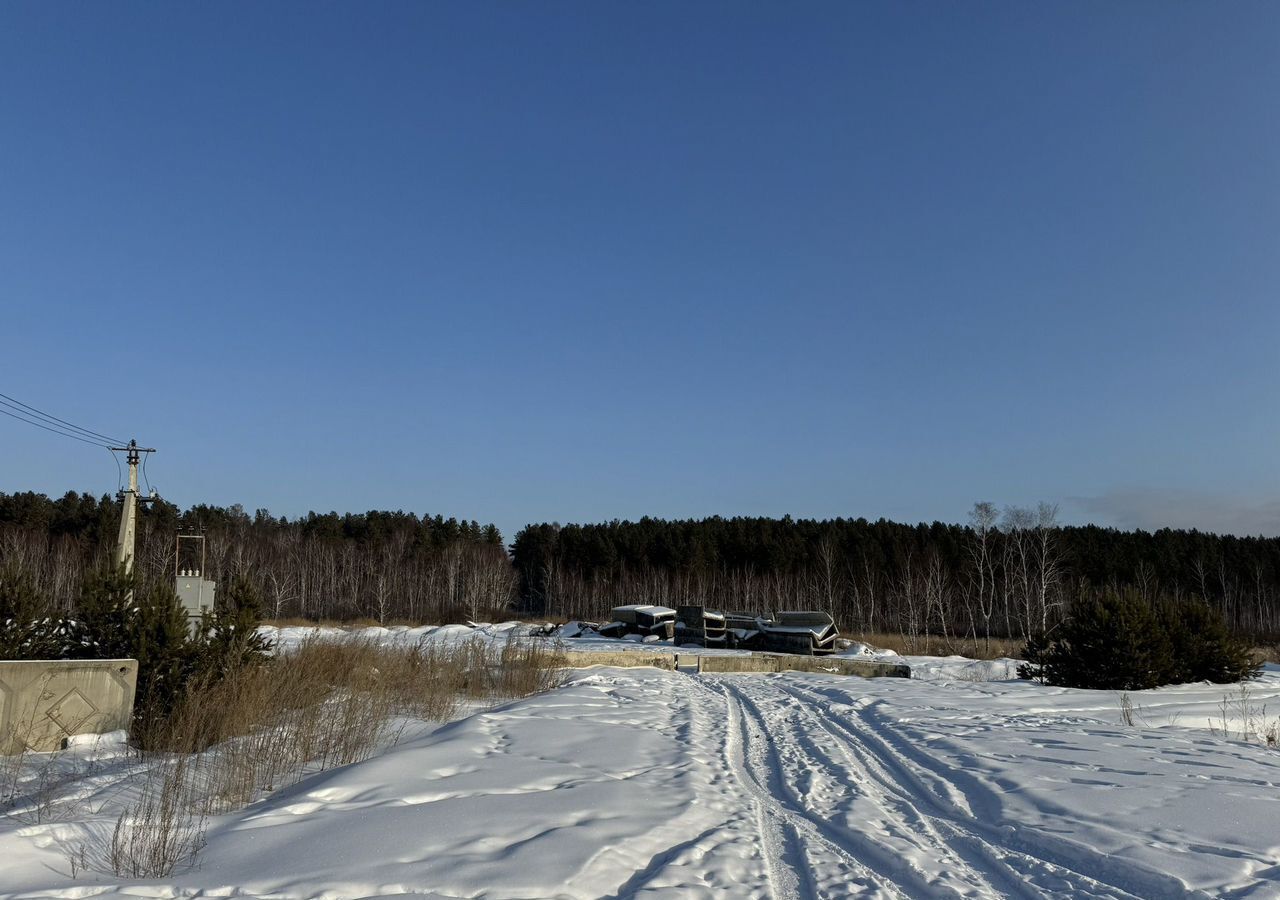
(783, 882)
(925, 782)
(661, 852)
(966, 867)
(982, 868)
(886, 862)
(751, 754)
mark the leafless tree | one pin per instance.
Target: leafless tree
(982, 522)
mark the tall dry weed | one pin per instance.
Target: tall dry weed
(163, 829)
(331, 703)
(266, 725)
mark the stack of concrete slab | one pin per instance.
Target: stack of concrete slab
(642, 619)
(697, 625)
(807, 632)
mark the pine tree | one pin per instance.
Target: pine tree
(1112, 642)
(1122, 641)
(118, 620)
(230, 637)
(26, 630)
(1202, 648)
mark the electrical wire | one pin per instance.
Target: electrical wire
(145, 457)
(74, 437)
(27, 409)
(119, 471)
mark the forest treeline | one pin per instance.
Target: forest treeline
(1007, 572)
(377, 565)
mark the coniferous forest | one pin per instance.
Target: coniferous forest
(1004, 573)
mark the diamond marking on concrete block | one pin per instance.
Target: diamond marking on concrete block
(71, 711)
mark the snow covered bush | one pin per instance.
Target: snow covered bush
(1124, 641)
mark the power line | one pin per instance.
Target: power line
(119, 471)
(74, 437)
(28, 410)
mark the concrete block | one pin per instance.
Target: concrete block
(786, 662)
(581, 659)
(754, 662)
(45, 701)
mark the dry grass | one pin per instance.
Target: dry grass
(162, 830)
(326, 704)
(937, 645)
(1270, 654)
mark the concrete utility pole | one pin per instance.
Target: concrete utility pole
(129, 500)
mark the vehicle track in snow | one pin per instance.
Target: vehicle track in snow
(950, 815)
(800, 859)
(779, 755)
(846, 806)
(880, 821)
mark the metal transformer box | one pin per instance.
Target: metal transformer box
(196, 595)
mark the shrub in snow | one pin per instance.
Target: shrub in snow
(1123, 641)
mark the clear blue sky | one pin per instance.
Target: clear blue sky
(576, 261)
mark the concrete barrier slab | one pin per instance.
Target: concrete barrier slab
(581, 659)
(786, 662)
(45, 701)
(754, 662)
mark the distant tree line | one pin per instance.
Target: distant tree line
(1006, 573)
(1009, 572)
(383, 566)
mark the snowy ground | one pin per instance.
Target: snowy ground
(640, 782)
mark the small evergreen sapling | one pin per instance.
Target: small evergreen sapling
(118, 619)
(1203, 649)
(230, 637)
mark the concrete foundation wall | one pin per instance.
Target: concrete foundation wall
(43, 701)
(623, 658)
(756, 662)
(785, 662)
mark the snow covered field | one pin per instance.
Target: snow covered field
(640, 782)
